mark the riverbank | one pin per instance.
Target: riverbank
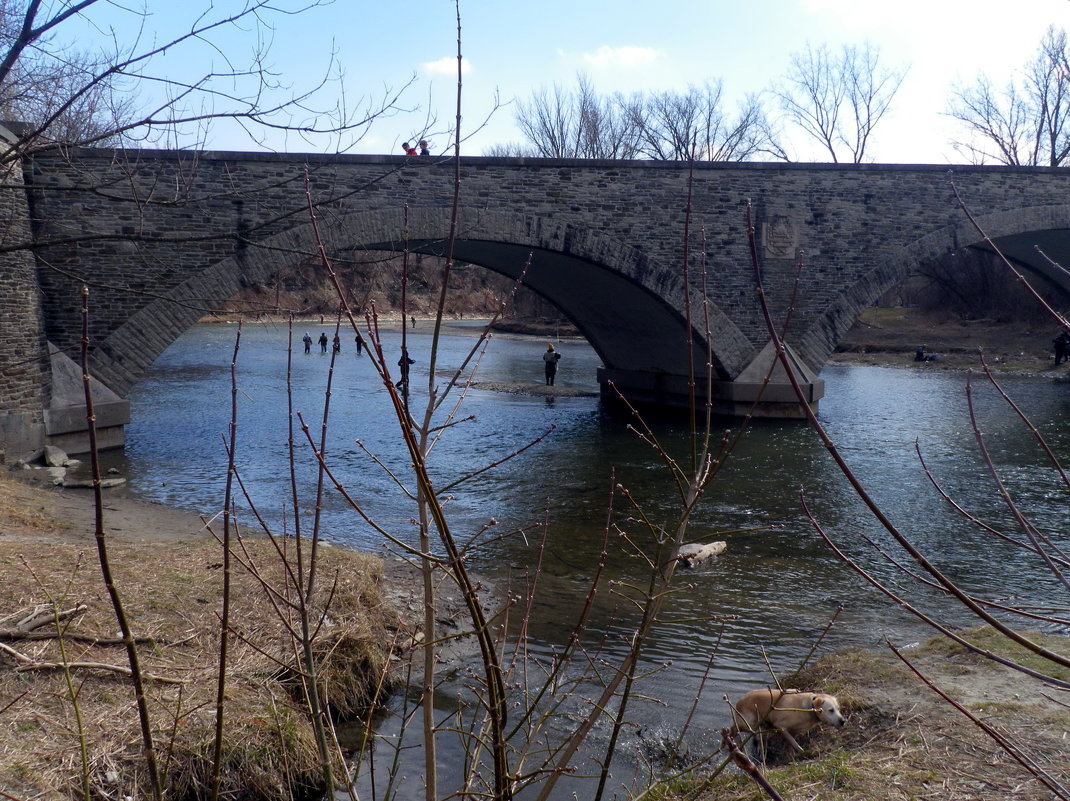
(901, 742)
(890, 335)
(882, 335)
(169, 571)
(457, 324)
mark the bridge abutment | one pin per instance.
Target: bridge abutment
(42, 400)
(66, 418)
(761, 390)
(25, 376)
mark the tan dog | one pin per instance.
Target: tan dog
(790, 712)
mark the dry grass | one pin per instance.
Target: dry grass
(28, 510)
(172, 592)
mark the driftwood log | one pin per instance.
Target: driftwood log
(695, 553)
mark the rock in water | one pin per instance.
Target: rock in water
(55, 457)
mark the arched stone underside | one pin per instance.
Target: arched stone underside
(1017, 233)
(161, 237)
(624, 303)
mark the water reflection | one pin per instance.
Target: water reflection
(769, 596)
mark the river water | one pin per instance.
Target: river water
(774, 589)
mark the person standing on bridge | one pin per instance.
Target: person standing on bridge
(423, 148)
(409, 149)
(550, 360)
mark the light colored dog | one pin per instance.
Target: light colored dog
(790, 712)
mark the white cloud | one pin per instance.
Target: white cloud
(446, 66)
(626, 57)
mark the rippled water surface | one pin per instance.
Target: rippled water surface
(775, 588)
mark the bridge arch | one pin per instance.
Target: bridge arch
(615, 294)
(156, 260)
(1014, 232)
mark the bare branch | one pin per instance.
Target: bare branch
(1025, 123)
(170, 89)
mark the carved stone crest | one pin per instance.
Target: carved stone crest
(780, 237)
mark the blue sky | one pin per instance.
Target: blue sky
(511, 49)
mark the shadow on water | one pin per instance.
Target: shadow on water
(768, 597)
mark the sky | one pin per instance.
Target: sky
(513, 49)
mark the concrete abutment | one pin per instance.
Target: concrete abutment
(762, 390)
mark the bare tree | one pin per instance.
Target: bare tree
(677, 126)
(973, 283)
(838, 99)
(664, 126)
(510, 150)
(55, 91)
(152, 90)
(1025, 124)
(565, 123)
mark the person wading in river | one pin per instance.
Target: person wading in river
(550, 360)
(403, 382)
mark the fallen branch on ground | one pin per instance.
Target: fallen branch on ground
(19, 624)
(26, 664)
(23, 625)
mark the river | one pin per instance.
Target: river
(774, 589)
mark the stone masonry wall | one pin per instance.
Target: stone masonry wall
(24, 370)
(189, 228)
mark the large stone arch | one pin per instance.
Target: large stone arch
(625, 303)
(1014, 231)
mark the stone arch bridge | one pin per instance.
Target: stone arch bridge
(163, 236)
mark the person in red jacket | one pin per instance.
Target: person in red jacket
(409, 149)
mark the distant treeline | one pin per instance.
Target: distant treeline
(473, 291)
